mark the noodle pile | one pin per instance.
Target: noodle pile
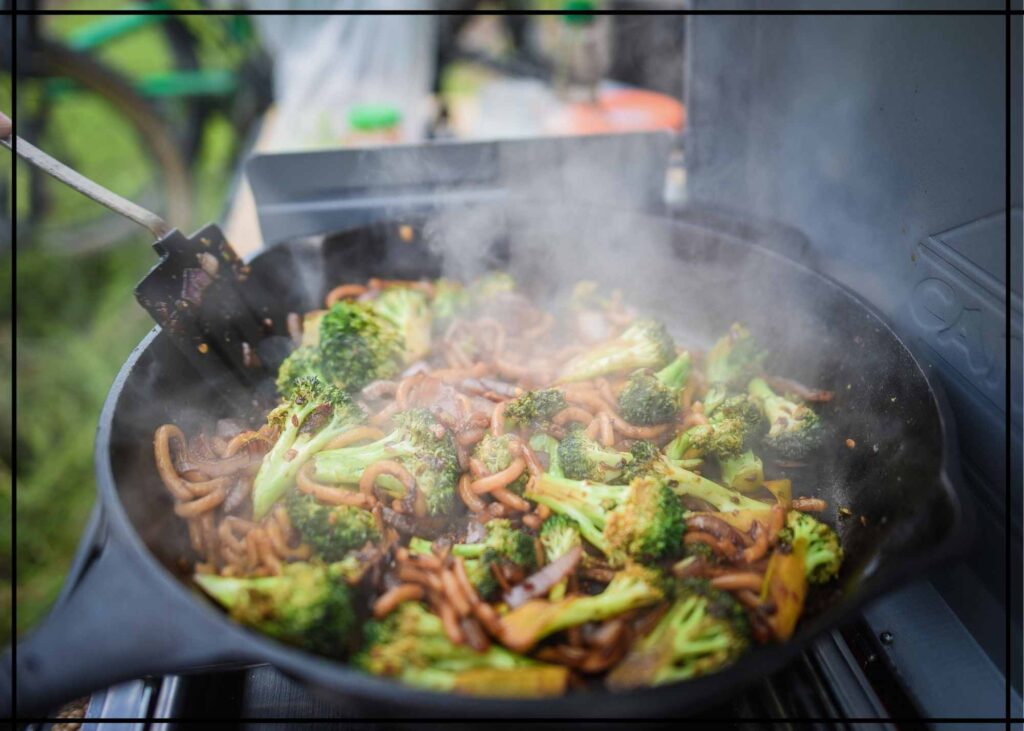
(480, 361)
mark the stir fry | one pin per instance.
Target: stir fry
(467, 492)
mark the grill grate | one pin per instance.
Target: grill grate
(826, 683)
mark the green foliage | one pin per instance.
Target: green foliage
(77, 318)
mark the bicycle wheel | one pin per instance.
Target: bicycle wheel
(125, 115)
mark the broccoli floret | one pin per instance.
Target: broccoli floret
(496, 454)
(313, 416)
(411, 646)
(450, 299)
(795, 429)
(644, 344)
(823, 555)
(634, 587)
(735, 424)
(732, 361)
(746, 411)
(583, 458)
(534, 409)
(307, 605)
(693, 441)
(699, 550)
(653, 398)
(649, 524)
(643, 456)
(703, 631)
(303, 362)
(642, 520)
(558, 536)
(541, 442)
(481, 576)
(419, 443)
(358, 345)
(330, 530)
(722, 439)
(503, 545)
(408, 309)
(503, 541)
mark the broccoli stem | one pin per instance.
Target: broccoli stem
(759, 389)
(580, 610)
(469, 550)
(744, 472)
(676, 373)
(347, 465)
(526, 625)
(583, 502)
(420, 545)
(722, 498)
(230, 590)
(541, 442)
(678, 447)
(714, 397)
(277, 472)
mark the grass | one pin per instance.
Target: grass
(77, 322)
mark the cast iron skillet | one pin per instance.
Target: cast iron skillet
(128, 609)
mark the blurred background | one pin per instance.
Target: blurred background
(164, 108)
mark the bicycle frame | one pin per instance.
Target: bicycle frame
(178, 84)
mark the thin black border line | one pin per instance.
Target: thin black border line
(1008, 605)
(766, 12)
(731, 722)
(14, 364)
(1008, 13)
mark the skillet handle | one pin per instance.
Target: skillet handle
(115, 621)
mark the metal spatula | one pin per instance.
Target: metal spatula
(195, 292)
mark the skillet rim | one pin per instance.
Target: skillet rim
(320, 673)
